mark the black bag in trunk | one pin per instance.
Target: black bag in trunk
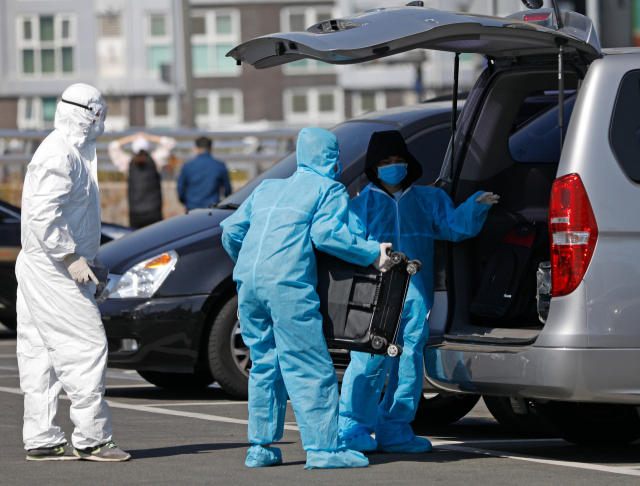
(508, 287)
(361, 307)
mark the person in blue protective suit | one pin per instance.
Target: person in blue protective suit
(271, 238)
(392, 209)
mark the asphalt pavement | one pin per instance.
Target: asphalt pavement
(200, 438)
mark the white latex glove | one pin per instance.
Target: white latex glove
(79, 269)
(383, 262)
(488, 198)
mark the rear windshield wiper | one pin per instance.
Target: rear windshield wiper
(227, 206)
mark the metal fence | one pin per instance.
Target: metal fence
(246, 153)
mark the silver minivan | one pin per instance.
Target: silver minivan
(580, 178)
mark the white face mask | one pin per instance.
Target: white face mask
(97, 129)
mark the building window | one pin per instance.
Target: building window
(111, 47)
(36, 113)
(160, 112)
(213, 34)
(118, 118)
(299, 19)
(218, 107)
(323, 106)
(46, 45)
(159, 42)
(366, 101)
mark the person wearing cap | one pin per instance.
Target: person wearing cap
(144, 192)
(202, 179)
(391, 208)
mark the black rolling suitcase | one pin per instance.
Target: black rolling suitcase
(361, 307)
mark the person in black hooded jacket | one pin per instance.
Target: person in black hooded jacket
(144, 192)
(392, 209)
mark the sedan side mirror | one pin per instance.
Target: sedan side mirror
(533, 4)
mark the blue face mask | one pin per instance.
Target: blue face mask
(392, 174)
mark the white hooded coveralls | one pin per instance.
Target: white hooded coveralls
(61, 339)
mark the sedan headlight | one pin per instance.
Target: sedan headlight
(145, 278)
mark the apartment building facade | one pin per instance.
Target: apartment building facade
(123, 47)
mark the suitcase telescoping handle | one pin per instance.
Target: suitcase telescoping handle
(413, 266)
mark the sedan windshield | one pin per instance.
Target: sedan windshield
(353, 138)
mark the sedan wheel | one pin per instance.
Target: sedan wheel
(441, 409)
(239, 350)
(520, 416)
(228, 355)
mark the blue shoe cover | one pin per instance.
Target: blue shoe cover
(335, 459)
(263, 456)
(415, 445)
(362, 443)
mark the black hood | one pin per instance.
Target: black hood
(385, 144)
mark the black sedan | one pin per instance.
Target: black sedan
(10, 247)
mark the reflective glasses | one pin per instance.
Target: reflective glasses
(99, 110)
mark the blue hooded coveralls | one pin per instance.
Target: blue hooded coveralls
(271, 238)
(421, 215)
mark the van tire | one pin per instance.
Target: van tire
(443, 409)
(593, 424)
(178, 381)
(529, 425)
(224, 338)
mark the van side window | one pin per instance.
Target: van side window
(537, 140)
(430, 150)
(625, 126)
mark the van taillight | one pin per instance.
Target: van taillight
(573, 231)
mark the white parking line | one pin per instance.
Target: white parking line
(194, 404)
(459, 446)
(118, 375)
(141, 385)
(551, 462)
(163, 411)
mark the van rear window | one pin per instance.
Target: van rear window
(625, 126)
(537, 140)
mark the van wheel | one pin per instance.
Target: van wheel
(228, 355)
(443, 409)
(593, 424)
(178, 381)
(528, 424)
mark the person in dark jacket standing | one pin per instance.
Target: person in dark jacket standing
(202, 178)
(145, 192)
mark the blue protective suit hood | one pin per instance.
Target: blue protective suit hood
(318, 150)
(382, 145)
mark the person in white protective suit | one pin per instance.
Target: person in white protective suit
(61, 340)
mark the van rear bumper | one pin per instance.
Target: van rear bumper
(569, 374)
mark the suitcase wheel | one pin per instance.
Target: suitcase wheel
(394, 351)
(378, 342)
(413, 267)
(396, 256)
